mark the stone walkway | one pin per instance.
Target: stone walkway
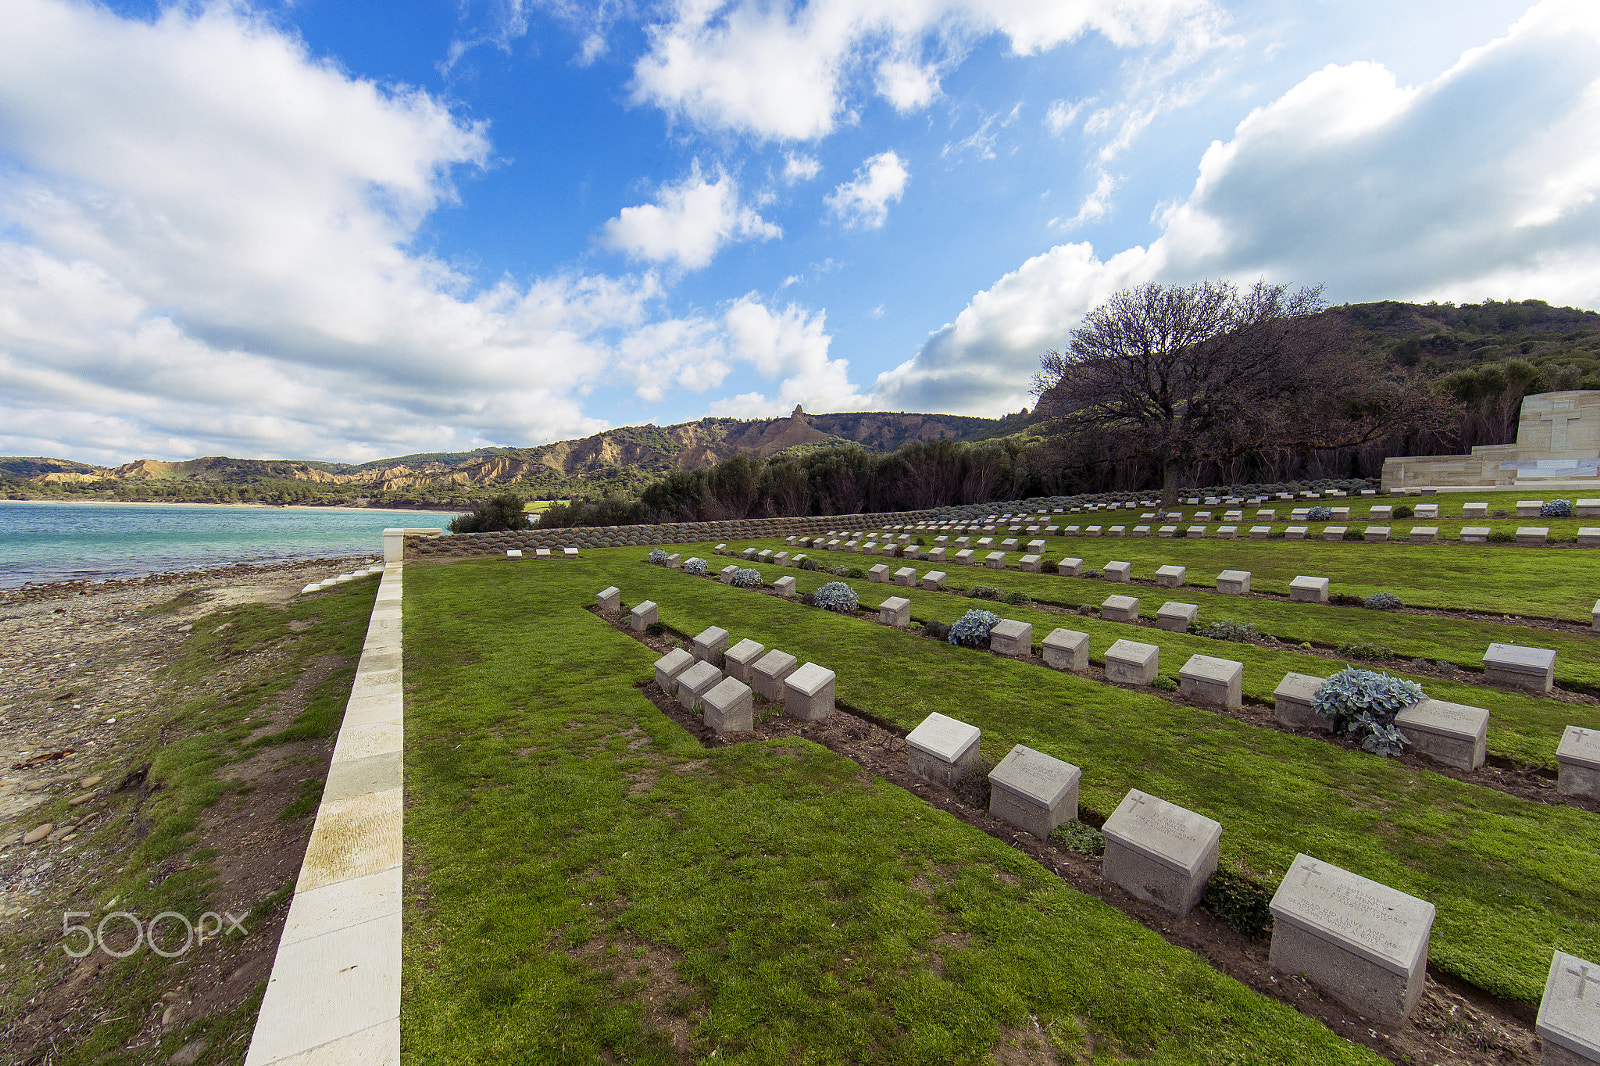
(334, 994)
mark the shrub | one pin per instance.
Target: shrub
(937, 630)
(1084, 608)
(1242, 901)
(1363, 704)
(836, 596)
(697, 566)
(1164, 682)
(657, 556)
(1366, 651)
(655, 629)
(1078, 837)
(1502, 513)
(1500, 536)
(1382, 601)
(808, 599)
(854, 571)
(984, 592)
(492, 515)
(1319, 514)
(1229, 629)
(971, 630)
(1556, 509)
(1403, 511)
(746, 578)
(840, 571)
(1353, 534)
(1092, 574)
(809, 563)
(1018, 598)
(1049, 566)
(1277, 534)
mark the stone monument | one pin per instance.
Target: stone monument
(1558, 447)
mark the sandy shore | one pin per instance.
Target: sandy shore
(253, 506)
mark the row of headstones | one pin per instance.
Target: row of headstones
(330, 582)
(515, 554)
(1362, 942)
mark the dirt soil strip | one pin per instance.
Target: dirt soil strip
(1454, 1021)
(81, 669)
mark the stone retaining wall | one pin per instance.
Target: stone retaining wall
(467, 544)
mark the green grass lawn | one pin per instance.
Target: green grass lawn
(585, 883)
(1512, 880)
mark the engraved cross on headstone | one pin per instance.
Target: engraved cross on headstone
(1585, 976)
(1559, 421)
(1310, 869)
(1138, 801)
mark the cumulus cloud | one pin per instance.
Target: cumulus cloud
(798, 167)
(689, 222)
(1060, 116)
(789, 72)
(1377, 190)
(864, 202)
(791, 347)
(205, 246)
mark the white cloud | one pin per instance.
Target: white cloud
(689, 222)
(1094, 207)
(1060, 116)
(1378, 190)
(790, 346)
(205, 247)
(981, 141)
(864, 202)
(788, 72)
(798, 167)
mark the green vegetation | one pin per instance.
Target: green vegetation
(585, 882)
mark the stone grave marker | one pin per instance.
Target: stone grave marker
(1569, 1012)
(1529, 508)
(1120, 609)
(1533, 669)
(1171, 576)
(1453, 733)
(784, 586)
(1033, 791)
(695, 681)
(1218, 682)
(1167, 531)
(1532, 536)
(808, 692)
(895, 611)
(1423, 535)
(1428, 510)
(1119, 571)
(1030, 564)
(941, 749)
(1578, 759)
(1474, 510)
(1295, 532)
(1260, 532)
(782, 558)
(1132, 663)
(1227, 532)
(1363, 943)
(1233, 582)
(514, 554)
(1589, 536)
(995, 560)
(1176, 617)
(729, 707)
(610, 599)
(936, 555)
(933, 580)
(964, 557)
(1375, 534)
(879, 574)
(741, 659)
(769, 671)
(906, 576)
(1013, 638)
(1160, 852)
(1333, 532)
(669, 666)
(1066, 649)
(710, 644)
(643, 616)
(1294, 701)
(1305, 589)
(1475, 534)
(1381, 512)
(725, 575)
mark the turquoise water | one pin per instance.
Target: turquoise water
(70, 541)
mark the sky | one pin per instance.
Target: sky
(347, 230)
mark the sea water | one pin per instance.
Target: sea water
(72, 541)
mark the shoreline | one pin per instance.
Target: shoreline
(16, 595)
(250, 506)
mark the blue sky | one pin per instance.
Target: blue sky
(345, 231)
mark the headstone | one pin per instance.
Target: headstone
(1363, 943)
(1578, 762)
(1119, 571)
(895, 611)
(1569, 1012)
(785, 587)
(748, 553)
(710, 644)
(1529, 508)
(1013, 638)
(1295, 532)
(764, 555)
(1091, 531)
(1475, 534)
(1423, 535)
(1010, 544)
(769, 671)
(906, 576)
(1132, 663)
(1333, 532)
(1589, 536)
(782, 558)
(1217, 682)
(879, 574)
(1066, 649)
(1070, 567)
(1196, 532)
(808, 693)
(514, 554)
(1227, 532)
(1030, 564)
(1160, 852)
(1171, 576)
(1260, 532)
(695, 681)
(1533, 669)
(933, 580)
(1167, 531)
(1120, 609)
(610, 599)
(741, 659)
(729, 707)
(643, 616)
(726, 574)
(964, 557)
(1453, 733)
(1033, 791)
(1294, 703)
(1305, 589)
(1176, 617)
(941, 749)
(1382, 512)
(936, 555)
(669, 666)
(1233, 582)
(1474, 510)
(1532, 536)
(1267, 514)
(541, 553)
(985, 544)
(1428, 510)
